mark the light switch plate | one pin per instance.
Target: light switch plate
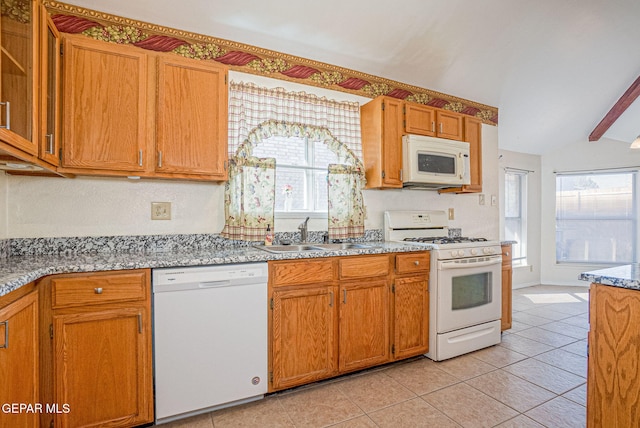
(160, 210)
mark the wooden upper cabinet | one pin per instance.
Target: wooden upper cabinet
(104, 106)
(128, 111)
(449, 125)
(18, 75)
(420, 119)
(432, 122)
(49, 138)
(381, 125)
(191, 126)
(473, 136)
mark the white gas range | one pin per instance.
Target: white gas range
(464, 284)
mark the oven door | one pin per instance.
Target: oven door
(468, 292)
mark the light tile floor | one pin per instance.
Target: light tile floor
(536, 377)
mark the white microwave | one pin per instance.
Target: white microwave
(434, 163)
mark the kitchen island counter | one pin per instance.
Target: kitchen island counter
(625, 276)
(16, 271)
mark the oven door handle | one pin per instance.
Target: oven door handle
(455, 264)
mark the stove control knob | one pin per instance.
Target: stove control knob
(454, 253)
(474, 252)
(488, 250)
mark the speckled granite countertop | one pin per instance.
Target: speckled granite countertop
(16, 271)
(627, 276)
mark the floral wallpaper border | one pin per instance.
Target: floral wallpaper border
(251, 59)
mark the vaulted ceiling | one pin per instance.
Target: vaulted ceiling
(553, 68)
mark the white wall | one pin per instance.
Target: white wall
(528, 274)
(48, 207)
(580, 156)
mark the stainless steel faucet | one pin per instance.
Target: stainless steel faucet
(303, 230)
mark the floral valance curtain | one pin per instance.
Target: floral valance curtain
(259, 113)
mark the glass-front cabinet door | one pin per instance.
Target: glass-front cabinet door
(18, 86)
(50, 94)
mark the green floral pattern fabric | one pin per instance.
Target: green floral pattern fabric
(346, 205)
(256, 114)
(249, 198)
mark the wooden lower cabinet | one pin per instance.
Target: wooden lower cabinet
(303, 334)
(19, 363)
(410, 316)
(98, 353)
(335, 315)
(613, 379)
(364, 324)
(507, 288)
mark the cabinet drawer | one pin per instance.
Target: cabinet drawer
(98, 289)
(362, 267)
(413, 262)
(301, 272)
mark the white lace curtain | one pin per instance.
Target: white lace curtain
(256, 113)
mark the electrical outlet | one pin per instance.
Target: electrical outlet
(160, 210)
(481, 199)
(452, 215)
(494, 200)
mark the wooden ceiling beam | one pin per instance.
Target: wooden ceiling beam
(619, 107)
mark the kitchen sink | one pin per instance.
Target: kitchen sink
(314, 247)
(290, 248)
(346, 246)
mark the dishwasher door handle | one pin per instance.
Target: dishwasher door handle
(215, 284)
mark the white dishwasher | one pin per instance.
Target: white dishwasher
(210, 338)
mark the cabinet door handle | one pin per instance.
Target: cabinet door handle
(160, 159)
(331, 299)
(7, 115)
(49, 144)
(433, 126)
(441, 127)
(6, 334)
(506, 254)
(401, 176)
(140, 323)
(98, 290)
(139, 157)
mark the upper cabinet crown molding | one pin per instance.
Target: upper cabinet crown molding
(253, 60)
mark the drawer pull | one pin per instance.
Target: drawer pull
(7, 115)
(6, 334)
(344, 296)
(417, 263)
(98, 290)
(506, 254)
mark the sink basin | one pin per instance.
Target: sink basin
(346, 246)
(295, 248)
(289, 248)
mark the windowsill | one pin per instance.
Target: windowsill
(299, 214)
